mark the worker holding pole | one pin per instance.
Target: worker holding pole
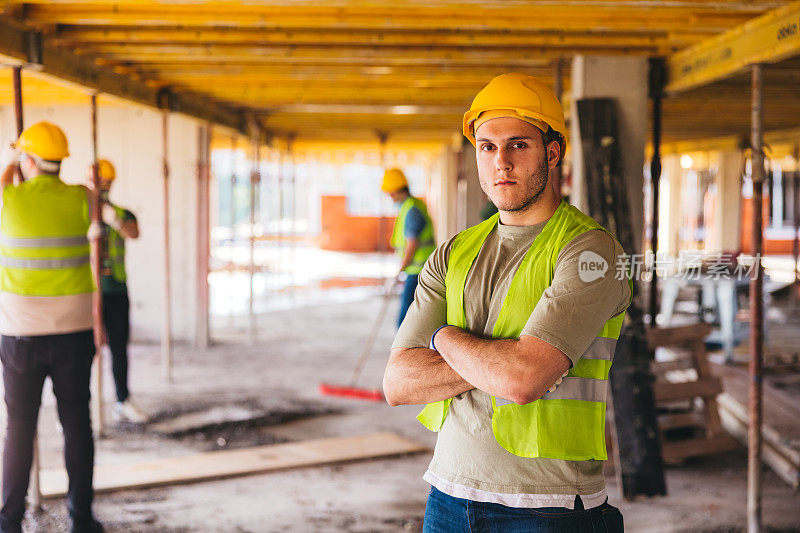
(119, 224)
(511, 334)
(46, 318)
(412, 236)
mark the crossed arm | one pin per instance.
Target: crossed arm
(519, 370)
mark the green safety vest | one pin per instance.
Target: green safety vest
(115, 246)
(568, 423)
(426, 245)
(44, 250)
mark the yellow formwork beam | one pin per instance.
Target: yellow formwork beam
(253, 54)
(415, 16)
(766, 39)
(649, 39)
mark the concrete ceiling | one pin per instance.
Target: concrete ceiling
(347, 68)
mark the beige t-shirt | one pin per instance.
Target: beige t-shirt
(468, 462)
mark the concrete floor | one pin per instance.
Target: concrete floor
(280, 373)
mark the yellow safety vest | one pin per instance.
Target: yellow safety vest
(426, 245)
(115, 246)
(44, 250)
(568, 423)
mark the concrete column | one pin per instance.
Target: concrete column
(671, 219)
(725, 230)
(623, 78)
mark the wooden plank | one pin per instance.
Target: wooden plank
(730, 406)
(704, 388)
(782, 460)
(224, 464)
(677, 451)
(677, 335)
(766, 39)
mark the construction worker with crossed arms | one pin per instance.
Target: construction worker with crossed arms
(46, 321)
(412, 236)
(509, 339)
(119, 224)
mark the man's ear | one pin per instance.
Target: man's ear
(553, 153)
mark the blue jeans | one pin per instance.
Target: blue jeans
(409, 287)
(446, 514)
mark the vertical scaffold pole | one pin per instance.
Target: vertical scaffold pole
(796, 240)
(36, 493)
(97, 297)
(756, 309)
(657, 79)
(255, 179)
(166, 325)
(203, 234)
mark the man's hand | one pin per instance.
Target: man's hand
(95, 231)
(9, 156)
(110, 217)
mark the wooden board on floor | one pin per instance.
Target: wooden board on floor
(224, 464)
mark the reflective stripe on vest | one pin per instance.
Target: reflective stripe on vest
(568, 423)
(44, 264)
(426, 244)
(43, 246)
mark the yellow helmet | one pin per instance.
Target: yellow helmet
(393, 180)
(106, 170)
(44, 140)
(520, 96)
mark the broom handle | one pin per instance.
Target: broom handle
(370, 340)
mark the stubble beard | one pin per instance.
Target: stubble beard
(533, 192)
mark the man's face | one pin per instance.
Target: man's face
(397, 196)
(513, 164)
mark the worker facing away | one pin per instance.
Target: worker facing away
(509, 342)
(412, 236)
(118, 225)
(46, 321)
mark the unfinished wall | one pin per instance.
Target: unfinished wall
(130, 137)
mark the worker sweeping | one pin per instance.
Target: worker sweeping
(119, 224)
(510, 337)
(412, 236)
(46, 318)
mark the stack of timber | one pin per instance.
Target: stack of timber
(781, 429)
(686, 395)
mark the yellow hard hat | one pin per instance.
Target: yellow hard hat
(520, 96)
(106, 170)
(44, 140)
(393, 180)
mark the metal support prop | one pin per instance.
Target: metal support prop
(293, 225)
(255, 180)
(383, 139)
(36, 493)
(203, 234)
(97, 296)
(166, 325)
(756, 309)
(657, 81)
(17, 82)
(796, 240)
(558, 88)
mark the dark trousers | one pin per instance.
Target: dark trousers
(409, 287)
(27, 361)
(116, 312)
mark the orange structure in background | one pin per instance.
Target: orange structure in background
(342, 232)
(771, 246)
